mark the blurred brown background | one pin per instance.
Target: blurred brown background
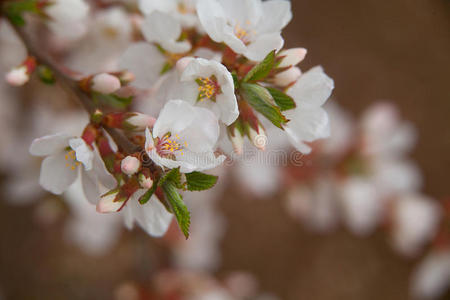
(396, 50)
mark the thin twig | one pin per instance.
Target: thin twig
(71, 86)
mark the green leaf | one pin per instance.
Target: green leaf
(285, 102)
(166, 68)
(46, 75)
(235, 80)
(113, 100)
(261, 100)
(173, 175)
(178, 207)
(198, 181)
(15, 9)
(146, 197)
(261, 70)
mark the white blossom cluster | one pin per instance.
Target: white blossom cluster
(195, 73)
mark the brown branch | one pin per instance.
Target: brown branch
(71, 86)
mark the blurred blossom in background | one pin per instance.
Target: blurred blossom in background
(365, 215)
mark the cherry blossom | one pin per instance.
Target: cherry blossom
(249, 27)
(184, 136)
(309, 121)
(205, 83)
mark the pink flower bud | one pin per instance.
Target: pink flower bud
(292, 57)
(105, 83)
(18, 76)
(140, 121)
(259, 139)
(183, 63)
(107, 203)
(287, 77)
(130, 165)
(127, 77)
(238, 143)
(145, 182)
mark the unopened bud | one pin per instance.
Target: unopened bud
(183, 63)
(139, 121)
(258, 138)
(287, 77)
(105, 83)
(107, 203)
(145, 182)
(126, 77)
(17, 76)
(238, 143)
(130, 165)
(292, 57)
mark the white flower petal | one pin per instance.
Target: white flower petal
(83, 152)
(225, 107)
(312, 89)
(432, 277)
(145, 61)
(307, 125)
(415, 222)
(213, 18)
(49, 144)
(90, 188)
(165, 30)
(152, 216)
(149, 6)
(259, 48)
(361, 205)
(56, 176)
(276, 15)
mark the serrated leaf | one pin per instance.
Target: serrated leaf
(261, 70)
(178, 207)
(198, 181)
(173, 175)
(284, 101)
(146, 197)
(261, 100)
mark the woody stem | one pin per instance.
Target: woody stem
(71, 86)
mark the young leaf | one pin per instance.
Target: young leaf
(261, 100)
(261, 70)
(113, 100)
(14, 10)
(285, 102)
(173, 175)
(146, 197)
(178, 207)
(46, 74)
(197, 181)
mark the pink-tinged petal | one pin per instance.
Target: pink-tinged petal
(107, 203)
